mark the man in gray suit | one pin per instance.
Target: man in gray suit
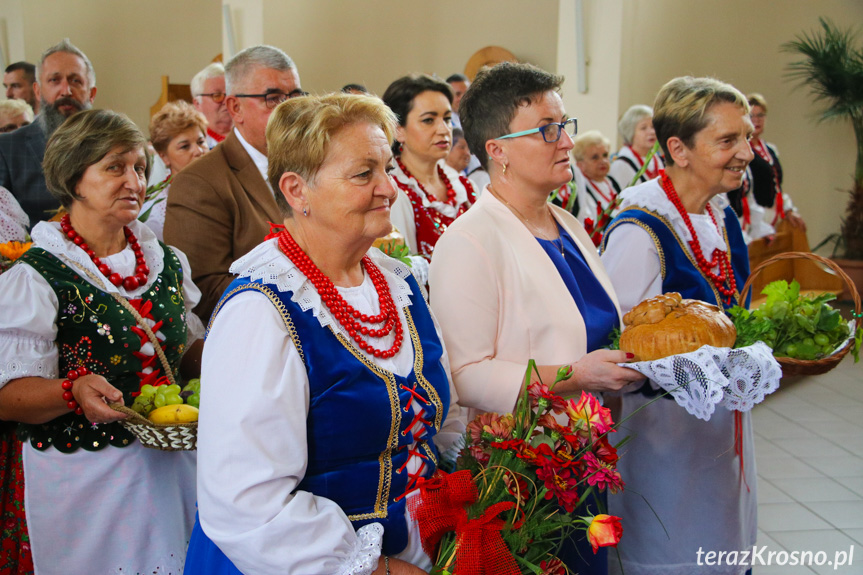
(220, 205)
(66, 84)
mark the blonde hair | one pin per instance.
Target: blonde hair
(756, 99)
(682, 106)
(15, 107)
(171, 120)
(300, 129)
(586, 140)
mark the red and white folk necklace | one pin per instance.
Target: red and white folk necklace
(450, 192)
(129, 283)
(724, 281)
(348, 317)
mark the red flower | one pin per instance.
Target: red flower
(604, 531)
(479, 454)
(605, 451)
(540, 392)
(552, 567)
(476, 426)
(501, 428)
(549, 423)
(601, 474)
(561, 483)
(517, 487)
(588, 415)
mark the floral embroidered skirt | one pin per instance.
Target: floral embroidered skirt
(15, 558)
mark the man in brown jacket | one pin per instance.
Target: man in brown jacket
(219, 206)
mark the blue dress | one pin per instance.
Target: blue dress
(600, 318)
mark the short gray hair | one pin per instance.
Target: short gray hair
(241, 66)
(66, 46)
(630, 119)
(214, 70)
(17, 107)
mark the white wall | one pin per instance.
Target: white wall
(596, 109)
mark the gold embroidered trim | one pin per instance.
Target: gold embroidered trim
(650, 232)
(419, 362)
(385, 458)
(683, 247)
(276, 301)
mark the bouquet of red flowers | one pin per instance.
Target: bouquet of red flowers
(520, 477)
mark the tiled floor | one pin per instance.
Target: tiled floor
(809, 454)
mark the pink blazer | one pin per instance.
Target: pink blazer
(501, 302)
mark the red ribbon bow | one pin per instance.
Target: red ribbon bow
(441, 507)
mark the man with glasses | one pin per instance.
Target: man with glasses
(219, 207)
(208, 97)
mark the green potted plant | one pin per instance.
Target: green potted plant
(831, 67)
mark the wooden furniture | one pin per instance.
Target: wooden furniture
(812, 276)
(170, 93)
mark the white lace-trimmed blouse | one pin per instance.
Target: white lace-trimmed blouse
(247, 480)
(688, 472)
(68, 496)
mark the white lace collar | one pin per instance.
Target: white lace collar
(651, 196)
(442, 207)
(49, 236)
(267, 263)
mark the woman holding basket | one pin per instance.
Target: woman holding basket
(82, 313)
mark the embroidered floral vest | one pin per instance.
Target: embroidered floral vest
(96, 332)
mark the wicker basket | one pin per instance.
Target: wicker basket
(174, 437)
(790, 365)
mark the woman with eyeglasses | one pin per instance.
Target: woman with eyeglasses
(431, 193)
(517, 278)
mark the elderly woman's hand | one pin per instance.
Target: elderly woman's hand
(598, 371)
(93, 392)
(397, 567)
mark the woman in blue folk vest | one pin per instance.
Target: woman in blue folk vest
(328, 390)
(677, 233)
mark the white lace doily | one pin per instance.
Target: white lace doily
(736, 379)
(13, 221)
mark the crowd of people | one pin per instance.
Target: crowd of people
(336, 379)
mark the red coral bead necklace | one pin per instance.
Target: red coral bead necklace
(450, 192)
(719, 258)
(349, 318)
(129, 283)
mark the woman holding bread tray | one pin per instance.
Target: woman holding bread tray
(677, 233)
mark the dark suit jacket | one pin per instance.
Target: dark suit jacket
(218, 210)
(21, 154)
